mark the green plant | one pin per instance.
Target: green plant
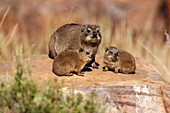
(23, 95)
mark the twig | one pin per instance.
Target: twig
(4, 16)
(154, 56)
(14, 30)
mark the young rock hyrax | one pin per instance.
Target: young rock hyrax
(71, 61)
(118, 60)
(72, 36)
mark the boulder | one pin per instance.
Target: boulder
(142, 92)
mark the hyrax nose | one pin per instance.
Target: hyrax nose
(94, 34)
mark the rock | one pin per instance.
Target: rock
(144, 91)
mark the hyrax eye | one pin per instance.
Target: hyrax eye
(111, 52)
(87, 53)
(88, 30)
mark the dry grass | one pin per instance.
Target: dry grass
(32, 30)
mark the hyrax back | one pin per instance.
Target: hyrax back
(71, 61)
(119, 60)
(72, 36)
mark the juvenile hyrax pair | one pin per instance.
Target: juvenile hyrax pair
(72, 61)
(118, 60)
(72, 37)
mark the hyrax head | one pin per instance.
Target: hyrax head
(92, 33)
(111, 53)
(86, 53)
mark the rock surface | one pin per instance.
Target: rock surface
(142, 92)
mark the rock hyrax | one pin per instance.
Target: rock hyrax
(72, 36)
(71, 61)
(118, 60)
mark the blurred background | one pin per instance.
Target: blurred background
(137, 26)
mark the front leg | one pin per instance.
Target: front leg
(117, 69)
(94, 64)
(79, 71)
(105, 68)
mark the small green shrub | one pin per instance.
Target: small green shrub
(23, 95)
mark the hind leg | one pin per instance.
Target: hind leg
(62, 69)
(52, 53)
(126, 71)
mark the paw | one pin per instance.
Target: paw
(95, 65)
(70, 74)
(80, 73)
(117, 70)
(104, 68)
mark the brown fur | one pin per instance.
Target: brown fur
(119, 60)
(72, 36)
(71, 61)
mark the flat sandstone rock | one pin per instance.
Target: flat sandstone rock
(142, 92)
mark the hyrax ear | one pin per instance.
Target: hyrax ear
(83, 28)
(80, 49)
(98, 27)
(116, 54)
(106, 49)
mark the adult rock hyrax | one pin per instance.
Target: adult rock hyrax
(72, 36)
(118, 60)
(71, 61)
